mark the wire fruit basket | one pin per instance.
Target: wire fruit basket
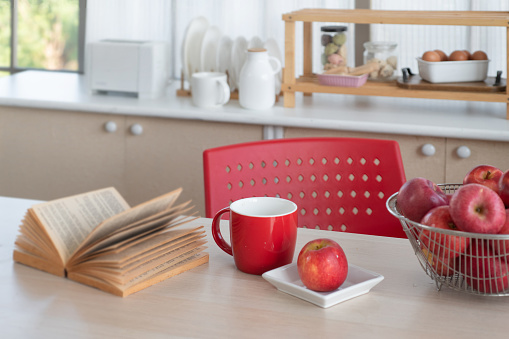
(468, 262)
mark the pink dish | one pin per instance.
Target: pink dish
(342, 80)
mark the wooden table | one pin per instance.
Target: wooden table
(216, 300)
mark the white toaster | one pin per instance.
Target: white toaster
(130, 66)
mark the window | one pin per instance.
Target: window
(41, 34)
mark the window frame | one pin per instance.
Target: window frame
(14, 68)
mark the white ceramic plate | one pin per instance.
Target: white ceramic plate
(358, 282)
(239, 56)
(255, 42)
(208, 52)
(191, 46)
(273, 50)
(224, 56)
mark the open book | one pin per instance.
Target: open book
(96, 239)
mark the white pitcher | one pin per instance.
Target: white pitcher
(257, 80)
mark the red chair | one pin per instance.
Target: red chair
(339, 184)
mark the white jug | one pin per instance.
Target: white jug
(257, 80)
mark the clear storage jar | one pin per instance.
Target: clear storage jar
(333, 43)
(385, 54)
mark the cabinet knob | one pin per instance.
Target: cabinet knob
(463, 152)
(428, 150)
(136, 129)
(110, 126)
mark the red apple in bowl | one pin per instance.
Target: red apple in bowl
(501, 246)
(503, 188)
(486, 175)
(419, 195)
(322, 265)
(444, 246)
(478, 209)
(484, 271)
(441, 265)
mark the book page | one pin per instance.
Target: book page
(130, 216)
(68, 221)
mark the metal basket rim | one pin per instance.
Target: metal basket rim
(391, 207)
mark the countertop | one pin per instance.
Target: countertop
(407, 116)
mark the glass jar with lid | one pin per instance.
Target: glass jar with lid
(385, 54)
(333, 43)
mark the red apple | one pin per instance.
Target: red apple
(484, 271)
(486, 175)
(476, 208)
(441, 265)
(503, 188)
(322, 265)
(444, 246)
(501, 246)
(419, 195)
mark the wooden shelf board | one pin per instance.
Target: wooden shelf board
(367, 16)
(309, 84)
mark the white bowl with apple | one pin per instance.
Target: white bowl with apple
(460, 232)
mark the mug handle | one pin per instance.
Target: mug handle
(216, 231)
(226, 92)
(278, 64)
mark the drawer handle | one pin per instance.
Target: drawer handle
(136, 129)
(463, 152)
(428, 150)
(110, 126)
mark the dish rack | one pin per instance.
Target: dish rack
(480, 270)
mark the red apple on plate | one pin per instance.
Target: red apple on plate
(322, 265)
(484, 271)
(444, 246)
(419, 195)
(486, 175)
(478, 209)
(503, 188)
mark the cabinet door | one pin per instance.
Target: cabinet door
(415, 162)
(495, 153)
(48, 154)
(168, 154)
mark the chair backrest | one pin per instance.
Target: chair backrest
(339, 184)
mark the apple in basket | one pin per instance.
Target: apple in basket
(322, 265)
(503, 188)
(482, 270)
(478, 209)
(441, 265)
(417, 196)
(501, 247)
(444, 246)
(486, 175)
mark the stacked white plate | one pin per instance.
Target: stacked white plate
(206, 49)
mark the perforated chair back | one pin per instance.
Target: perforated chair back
(339, 184)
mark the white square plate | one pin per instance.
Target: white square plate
(358, 281)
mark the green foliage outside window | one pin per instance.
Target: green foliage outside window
(47, 34)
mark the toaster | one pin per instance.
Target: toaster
(129, 66)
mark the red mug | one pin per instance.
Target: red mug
(263, 233)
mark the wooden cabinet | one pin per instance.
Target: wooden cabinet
(168, 154)
(464, 154)
(308, 82)
(47, 154)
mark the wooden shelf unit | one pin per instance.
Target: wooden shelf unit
(307, 83)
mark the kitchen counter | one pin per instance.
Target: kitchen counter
(420, 117)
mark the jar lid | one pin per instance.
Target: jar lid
(334, 28)
(380, 45)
